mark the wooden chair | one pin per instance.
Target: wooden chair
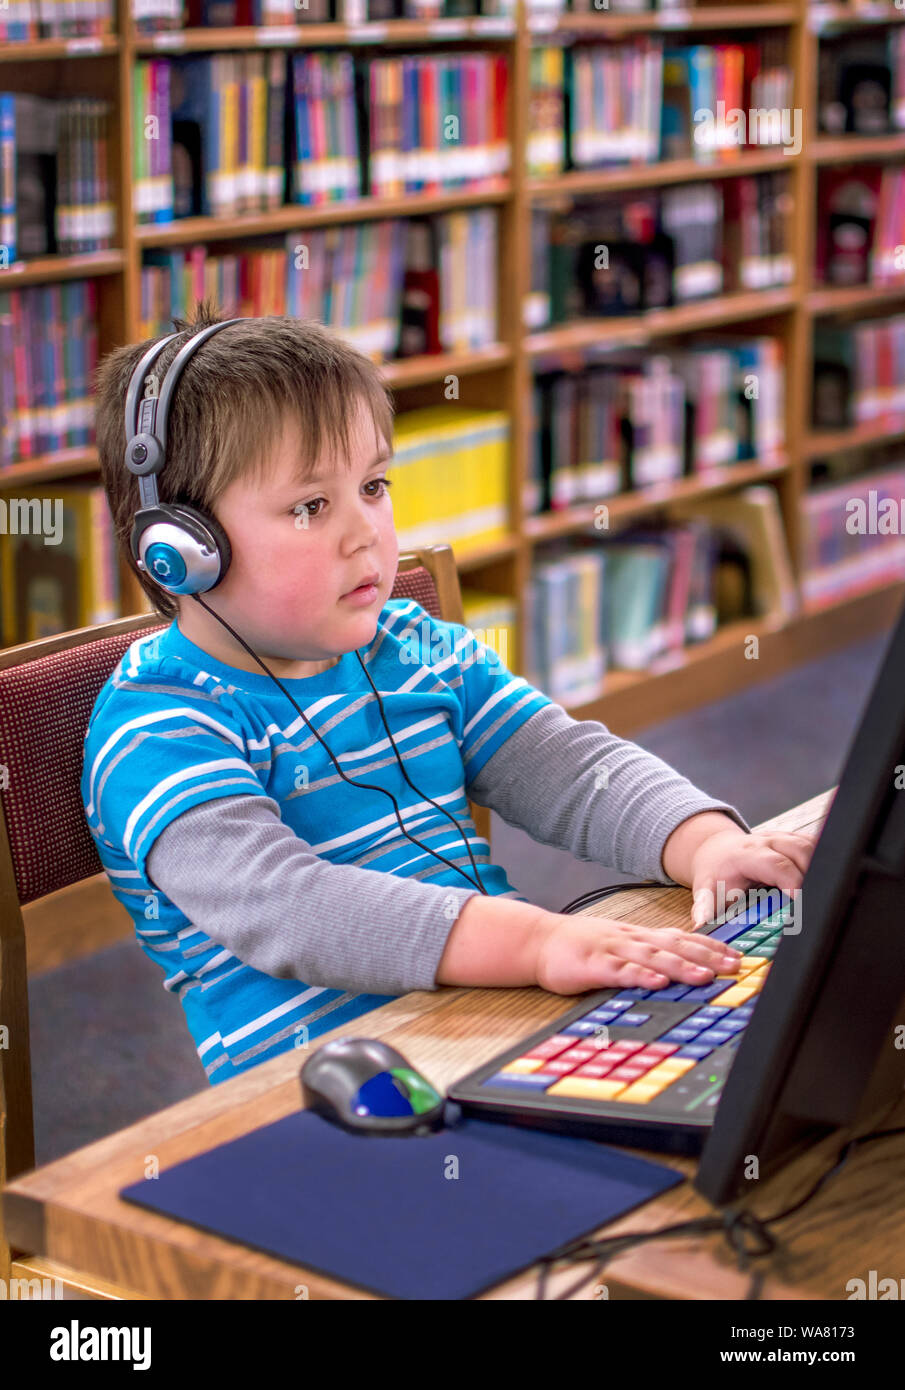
(47, 691)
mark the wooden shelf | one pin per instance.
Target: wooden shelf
(36, 50)
(815, 445)
(292, 215)
(839, 299)
(584, 181)
(413, 371)
(45, 270)
(717, 17)
(626, 505)
(486, 554)
(828, 16)
(48, 468)
(855, 149)
(483, 28)
(659, 323)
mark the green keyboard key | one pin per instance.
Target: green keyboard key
(745, 944)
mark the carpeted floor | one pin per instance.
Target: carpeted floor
(110, 1046)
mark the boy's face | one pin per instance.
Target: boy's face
(297, 551)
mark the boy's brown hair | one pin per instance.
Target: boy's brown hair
(229, 408)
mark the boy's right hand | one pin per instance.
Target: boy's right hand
(578, 953)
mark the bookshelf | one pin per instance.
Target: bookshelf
(500, 375)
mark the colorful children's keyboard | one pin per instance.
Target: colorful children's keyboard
(636, 1057)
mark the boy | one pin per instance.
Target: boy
(279, 900)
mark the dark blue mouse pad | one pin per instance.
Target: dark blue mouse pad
(440, 1216)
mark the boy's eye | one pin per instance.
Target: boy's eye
(301, 507)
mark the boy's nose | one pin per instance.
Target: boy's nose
(362, 529)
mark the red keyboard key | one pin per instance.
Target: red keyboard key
(578, 1054)
(551, 1047)
(626, 1073)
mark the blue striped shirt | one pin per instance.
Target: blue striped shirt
(173, 728)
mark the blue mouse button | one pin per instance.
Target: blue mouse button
(366, 1086)
(382, 1095)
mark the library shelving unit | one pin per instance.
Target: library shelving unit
(500, 376)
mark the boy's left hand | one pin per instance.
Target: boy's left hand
(737, 860)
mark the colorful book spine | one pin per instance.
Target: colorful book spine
(7, 179)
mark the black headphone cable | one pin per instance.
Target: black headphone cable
(368, 786)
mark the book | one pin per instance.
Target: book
(753, 516)
(45, 373)
(853, 535)
(451, 477)
(58, 569)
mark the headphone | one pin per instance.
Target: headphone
(185, 550)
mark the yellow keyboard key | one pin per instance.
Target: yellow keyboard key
(749, 963)
(587, 1087)
(523, 1065)
(640, 1093)
(738, 994)
(664, 1075)
(656, 1082)
(676, 1065)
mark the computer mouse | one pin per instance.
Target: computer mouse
(368, 1087)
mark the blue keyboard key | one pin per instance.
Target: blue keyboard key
(524, 1082)
(628, 996)
(714, 1036)
(743, 1011)
(734, 1025)
(762, 909)
(697, 1050)
(633, 1020)
(671, 992)
(603, 1015)
(713, 1011)
(728, 930)
(580, 1028)
(679, 1034)
(702, 992)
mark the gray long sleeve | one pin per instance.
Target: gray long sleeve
(574, 784)
(244, 878)
(292, 914)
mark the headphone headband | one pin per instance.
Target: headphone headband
(137, 381)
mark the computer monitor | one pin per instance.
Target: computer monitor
(825, 1047)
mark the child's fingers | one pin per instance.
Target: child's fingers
(607, 969)
(702, 949)
(662, 961)
(797, 848)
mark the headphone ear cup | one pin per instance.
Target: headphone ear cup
(182, 548)
(214, 527)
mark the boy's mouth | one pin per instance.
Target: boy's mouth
(364, 588)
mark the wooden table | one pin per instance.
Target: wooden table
(69, 1211)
